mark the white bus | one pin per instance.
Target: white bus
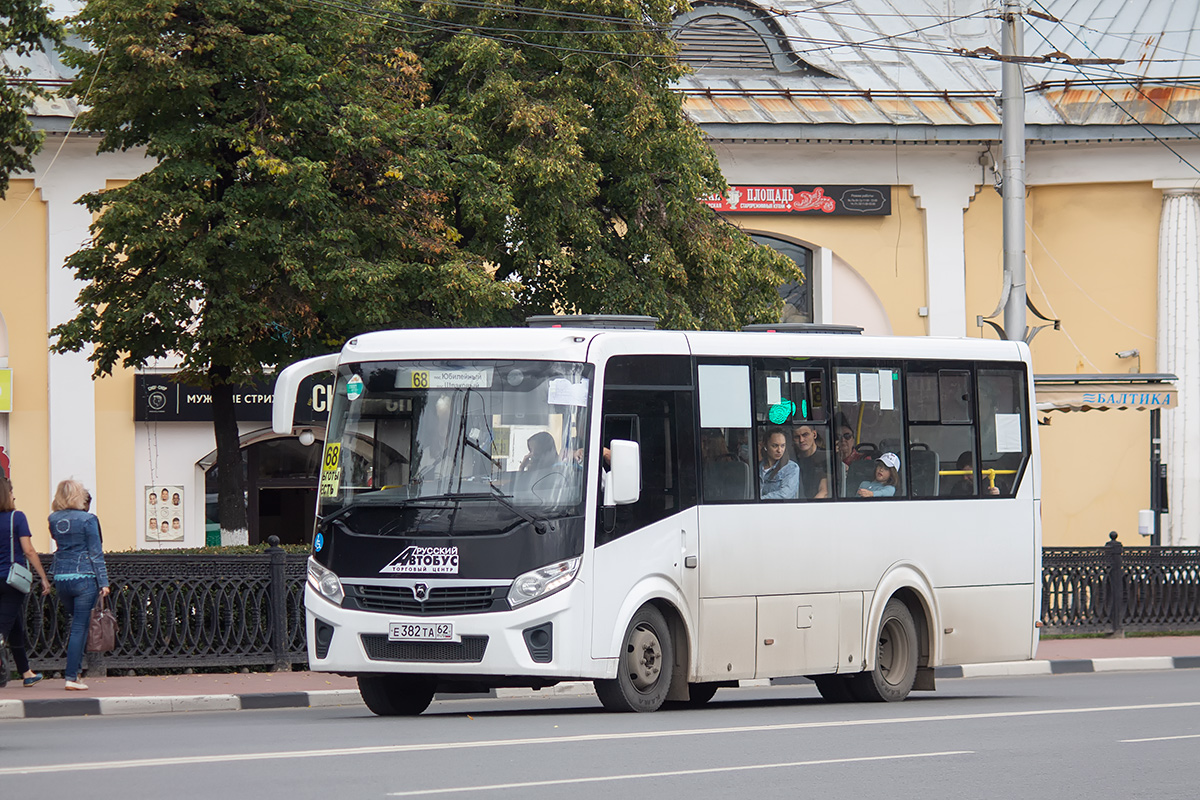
(668, 512)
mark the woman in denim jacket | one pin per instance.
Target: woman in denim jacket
(79, 572)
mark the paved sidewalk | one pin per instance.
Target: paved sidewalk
(258, 690)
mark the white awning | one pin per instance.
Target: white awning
(1088, 393)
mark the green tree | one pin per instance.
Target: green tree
(25, 27)
(296, 197)
(591, 197)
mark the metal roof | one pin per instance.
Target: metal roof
(892, 70)
(909, 63)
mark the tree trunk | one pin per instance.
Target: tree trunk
(231, 475)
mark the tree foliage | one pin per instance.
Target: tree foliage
(296, 196)
(592, 195)
(295, 200)
(26, 28)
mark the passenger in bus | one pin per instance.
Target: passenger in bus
(887, 471)
(845, 442)
(714, 448)
(813, 461)
(778, 476)
(542, 452)
(739, 445)
(965, 485)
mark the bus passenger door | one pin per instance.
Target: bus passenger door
(648, 542)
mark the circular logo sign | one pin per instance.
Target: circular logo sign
(354, 387)
(318, 543)
(781, 412)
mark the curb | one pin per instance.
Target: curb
(1069, 666)
(112, 706)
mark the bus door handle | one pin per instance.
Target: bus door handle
(689, 562)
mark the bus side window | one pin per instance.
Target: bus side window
(941, 429)
(869, 405)
(1003, 428)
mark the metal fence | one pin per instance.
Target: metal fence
(182, 611)
(1113, 589)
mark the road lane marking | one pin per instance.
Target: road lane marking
(171, 761)
(1162, 738)
(674, 773)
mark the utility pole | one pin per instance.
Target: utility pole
(1012, 126)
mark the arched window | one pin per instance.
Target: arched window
(733, 36)
(797, 297)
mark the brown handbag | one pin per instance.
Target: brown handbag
(102, 628)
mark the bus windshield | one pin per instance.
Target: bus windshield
(433, 433)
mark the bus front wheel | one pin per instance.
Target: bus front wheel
(834, 688)
(644, 672)
(396, 695)
(895, 660)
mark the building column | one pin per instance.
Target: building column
(1178, 352)
(944, 198)
(70, 395)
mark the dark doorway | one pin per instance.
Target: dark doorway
(281, 490)
(286, 512)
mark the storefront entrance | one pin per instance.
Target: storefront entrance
(281, 490)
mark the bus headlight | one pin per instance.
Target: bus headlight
(325, 582)
(542, 581)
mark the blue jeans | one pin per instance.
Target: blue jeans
(12, 625)
(77, 596)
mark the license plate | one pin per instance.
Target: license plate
(421, 632)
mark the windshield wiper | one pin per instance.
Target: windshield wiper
(539, 525)
(394, 502)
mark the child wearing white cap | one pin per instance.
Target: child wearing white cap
(887, 468)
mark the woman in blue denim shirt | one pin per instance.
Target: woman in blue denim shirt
(79, 572)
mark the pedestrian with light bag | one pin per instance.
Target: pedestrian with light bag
(15, 562)
(80, 575)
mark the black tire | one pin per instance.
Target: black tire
(895, 660)
(698, 695)
(396, 695)
(834, 688)
(644, 672)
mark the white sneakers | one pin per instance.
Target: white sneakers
(76, 686)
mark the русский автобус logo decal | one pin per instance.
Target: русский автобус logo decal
(424, 560)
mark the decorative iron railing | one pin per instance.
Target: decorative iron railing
(187, 611)
(247, 610)
(1113, 589)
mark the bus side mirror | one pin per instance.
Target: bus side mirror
(623, 483)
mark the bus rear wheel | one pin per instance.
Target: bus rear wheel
(396, 695)
(895, 660)
(644, 672)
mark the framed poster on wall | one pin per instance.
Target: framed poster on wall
(164, 513)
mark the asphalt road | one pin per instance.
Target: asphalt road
(1066, 736)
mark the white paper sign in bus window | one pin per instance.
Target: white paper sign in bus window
(565, 393)
(870, 387)
(774, 391)
(847, 387)
(887, 400)
(724, 396)
(1008, 433)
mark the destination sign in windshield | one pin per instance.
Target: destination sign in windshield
(442, 378)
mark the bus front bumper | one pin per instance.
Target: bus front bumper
(488, 644)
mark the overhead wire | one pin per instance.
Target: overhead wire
(1136, 88)
(1129, 114)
